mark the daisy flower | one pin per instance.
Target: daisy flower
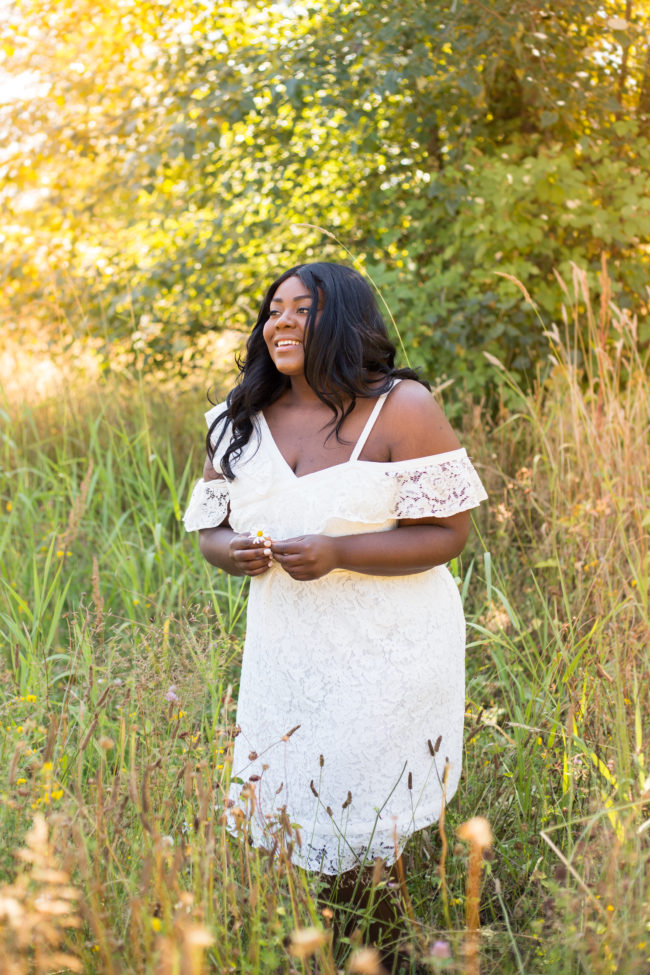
(259, 536)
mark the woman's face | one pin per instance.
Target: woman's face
(284, 330)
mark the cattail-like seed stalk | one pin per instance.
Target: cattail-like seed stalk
(477, 834)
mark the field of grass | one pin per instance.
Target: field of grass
(119, 656)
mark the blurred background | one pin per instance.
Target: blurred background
(162, 162)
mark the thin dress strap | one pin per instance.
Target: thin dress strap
(365, 433)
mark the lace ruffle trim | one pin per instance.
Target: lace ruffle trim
(208, 505)
(437, 489)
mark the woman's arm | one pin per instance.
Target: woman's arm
(237, 554)
(411, 547)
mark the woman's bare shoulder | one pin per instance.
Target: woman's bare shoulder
(415, 423)
(209, 472)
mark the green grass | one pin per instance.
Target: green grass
(105, 605)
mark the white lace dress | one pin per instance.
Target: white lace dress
(369, 670)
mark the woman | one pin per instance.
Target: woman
(334, 481)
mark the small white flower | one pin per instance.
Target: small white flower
(259, 536)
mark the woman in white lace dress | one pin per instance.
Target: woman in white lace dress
(334, 481)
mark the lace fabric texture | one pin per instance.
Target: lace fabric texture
(369, 670)
(208, 505)
(358, 491)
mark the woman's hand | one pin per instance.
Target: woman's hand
(306, 557)
(249, 556)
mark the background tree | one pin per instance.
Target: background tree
(164, 157)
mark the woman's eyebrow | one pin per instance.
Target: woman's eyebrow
(280, 301)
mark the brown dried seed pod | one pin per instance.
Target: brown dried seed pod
(290, 733)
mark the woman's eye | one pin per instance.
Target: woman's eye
(304, 311)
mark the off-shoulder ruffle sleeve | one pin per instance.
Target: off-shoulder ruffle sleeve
(366, 493)
(208, 505)
(209, 502)
(438, 486)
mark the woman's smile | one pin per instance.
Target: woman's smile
(284, 329)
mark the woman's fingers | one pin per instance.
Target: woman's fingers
(291, 553)
(289, 556)
(250, 554)
(305, 557)
(250, 557)
(293, 564)
(290, 546)
(298, 567)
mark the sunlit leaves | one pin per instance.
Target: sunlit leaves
(167, 152)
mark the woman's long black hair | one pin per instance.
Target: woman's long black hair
(344, 357)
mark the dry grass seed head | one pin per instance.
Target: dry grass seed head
(39, 909)
(366, 961)
(306, 941)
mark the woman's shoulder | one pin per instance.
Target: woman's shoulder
(412, 395)
(415, 424)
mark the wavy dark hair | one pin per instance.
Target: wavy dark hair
(346, 356)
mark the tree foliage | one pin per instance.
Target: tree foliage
(166, 159)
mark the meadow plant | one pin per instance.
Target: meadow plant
(119, 657)
(565, 625)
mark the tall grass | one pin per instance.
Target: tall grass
(566, 629)
(119, 652)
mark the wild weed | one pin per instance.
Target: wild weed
(119, 657)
